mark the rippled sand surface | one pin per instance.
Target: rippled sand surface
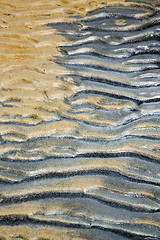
(80, 120)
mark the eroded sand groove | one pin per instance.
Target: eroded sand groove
(80, 120)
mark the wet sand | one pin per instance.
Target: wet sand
(79, 120)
